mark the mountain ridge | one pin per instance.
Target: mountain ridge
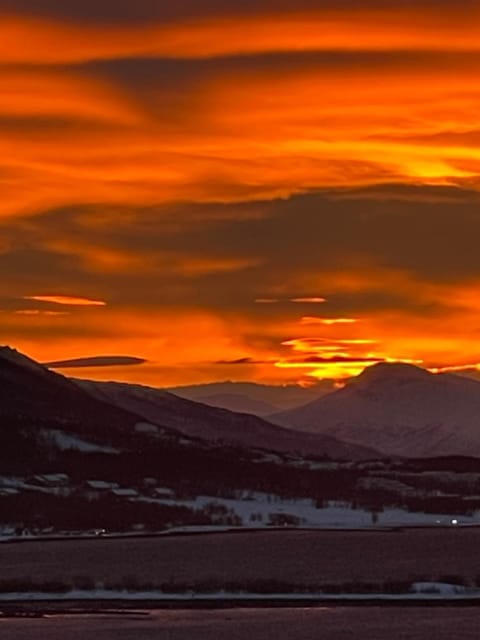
(251, 397)
(403, 409)
(216, 424)
(34, 396)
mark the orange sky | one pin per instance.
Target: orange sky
(267, 190)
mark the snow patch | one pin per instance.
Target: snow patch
(447, 592)
(67, 442)
(439, 588)
(146, 427)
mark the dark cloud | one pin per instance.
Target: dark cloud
(166, 87)
(152, 72)
(148, 10)
(431, 240)
(31, 265)
(141, 10)
(332, 360)
(241, 361)
(95, 361)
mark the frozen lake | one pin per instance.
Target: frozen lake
(329, 623)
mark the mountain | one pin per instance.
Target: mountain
(236, 402)
(249, 397)
(114, 415)
(399, 409)
(75, 460)
(218, 425)
(30, 392)
(44, 415)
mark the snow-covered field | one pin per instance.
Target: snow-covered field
(418, 591)
(255, 511)
(248, 509)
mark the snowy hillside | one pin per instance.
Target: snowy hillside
(399, 409)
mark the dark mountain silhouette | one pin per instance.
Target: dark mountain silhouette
(218, 425)
(115, 414)
(29, 391)
(250, 397)
(237, 402)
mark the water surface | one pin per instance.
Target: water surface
(329, 623)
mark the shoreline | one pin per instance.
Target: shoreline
(181, 533)
(49, 606)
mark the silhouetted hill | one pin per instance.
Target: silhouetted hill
(250, 397)
(29, 391)
(218, 425)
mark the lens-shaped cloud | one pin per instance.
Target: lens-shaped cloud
(95, 361)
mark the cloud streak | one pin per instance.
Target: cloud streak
(73, 301)
(28, 38)
(95, 361)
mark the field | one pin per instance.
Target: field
(370, 623)
(296, 557)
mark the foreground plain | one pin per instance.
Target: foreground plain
(293, 556)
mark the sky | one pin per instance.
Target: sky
(271, 190)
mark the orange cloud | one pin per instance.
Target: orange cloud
(185, 345)
(68, 300)
(401, 27)
(255, 131)
(266, 300)
(40, 312)
(328, 321)
(148, 128)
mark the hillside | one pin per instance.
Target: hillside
(218, 425)
(249, 397)
(400, 410)
(29, 391)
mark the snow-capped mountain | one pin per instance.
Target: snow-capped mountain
(399, 409)
(218, 425)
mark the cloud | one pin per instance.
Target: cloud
(40, 312)
(303, 300)
(34, 34)
(73, 301)
(266, 300)
(327, 321)
(95, 361)
(124, 10)
(316, 360)
(181, 160)
(230, 129)
(307, 344)
(246, 360)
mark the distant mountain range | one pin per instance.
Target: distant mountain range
(80, 455)
(218, 425)
(399, 409)
(249, 397)
(118, 415)
(389, 409)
